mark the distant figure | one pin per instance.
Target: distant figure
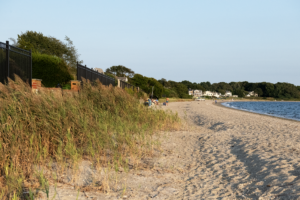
(215, 101)
(167, 101)
(58, 86)
(149, 100)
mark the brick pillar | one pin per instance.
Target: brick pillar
(36, 85)
(75, 85)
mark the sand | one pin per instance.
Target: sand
(223, 154)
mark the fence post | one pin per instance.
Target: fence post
(85, 73)
(77, 71)
(30, 80)
(7, 58)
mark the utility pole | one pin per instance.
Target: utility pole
(152, 92)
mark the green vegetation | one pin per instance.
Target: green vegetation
(105, 125)
(146, 84)
(120, 71)
(161, 88)
(263, 89)
(37, 42)
(51, 69)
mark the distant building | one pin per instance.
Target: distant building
(235, 96)
(125, 79)
(195, 93)
(251, 94)
(216, 94)
(208, 93)
(228, 94)
(98, 70)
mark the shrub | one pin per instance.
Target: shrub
(51, 69)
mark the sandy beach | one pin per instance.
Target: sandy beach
(221, 154)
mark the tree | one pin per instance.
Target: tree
(39, 43)
(170, 93)
(120, 71)
(146, 84)
(258, 91)
(140, 81)
(163, 81)
(181, 90)
(239, 92)
(158, 88)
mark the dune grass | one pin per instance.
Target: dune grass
(98, 122)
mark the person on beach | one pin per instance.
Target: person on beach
(167, 101)
(149, 102)
(216, 101)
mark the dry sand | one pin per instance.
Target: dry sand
(224, 154)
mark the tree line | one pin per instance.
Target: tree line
(263, 89)
(54, 61)
(169, 88)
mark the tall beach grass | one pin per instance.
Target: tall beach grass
(105, 125)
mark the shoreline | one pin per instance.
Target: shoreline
(220, 104)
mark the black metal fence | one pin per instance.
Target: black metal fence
(89, 74)
(14, 60)
(124, 85)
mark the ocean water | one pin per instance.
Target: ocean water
(288, 110)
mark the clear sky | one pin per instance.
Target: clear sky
(195, 40)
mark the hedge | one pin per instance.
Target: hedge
(51, 69)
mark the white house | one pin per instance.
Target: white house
(228, 94)
(251, 93)
(208, 93)
(216, 94)
(235, 96)
(195, 93)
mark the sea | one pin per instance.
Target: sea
(287, 110)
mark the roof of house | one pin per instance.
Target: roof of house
(99, 70)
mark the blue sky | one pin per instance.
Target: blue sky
(195, 40)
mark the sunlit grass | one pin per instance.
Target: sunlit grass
(98, 122)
